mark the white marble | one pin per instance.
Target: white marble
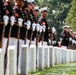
(74, 56)
(51, 56)
(12, 60)
(41, 57)
(1, 62)
(56, 55)
(59, 56)
(63, 55)
(67, 56)
(71, 55)
(46, 57)
(24, 60)
(32, 58)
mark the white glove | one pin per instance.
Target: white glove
(12, 18)
(44, 27)
(6, 19)
(33, 26)
(70, 39)
(25, 23)
(20, 21)
(53, 42)
(73, 41)
(38, 27)
(49, 40)
(61, 39)
(28, 24)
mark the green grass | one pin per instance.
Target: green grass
(66, 69)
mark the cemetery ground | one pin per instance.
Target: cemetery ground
(62, 69)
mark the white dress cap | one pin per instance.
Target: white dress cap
(36, 8)
(29, 1)
(43, 9)
(65, 26)
(32, 0)
(25, 0)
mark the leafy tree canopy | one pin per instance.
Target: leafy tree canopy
(71, 18)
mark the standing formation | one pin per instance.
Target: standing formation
(19, 24)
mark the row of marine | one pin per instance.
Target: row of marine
(19, 25)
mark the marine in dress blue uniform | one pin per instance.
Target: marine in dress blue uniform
(43, 22)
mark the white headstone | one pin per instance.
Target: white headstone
(63, 55)
(1, 62)
(59, 56)
(71, 55)
(67, 56)
(56, 55)
(12, 60)
(41, 57)
(46, 57)
(51, 56)
(24, 60)
(32, 58)
(74, 56)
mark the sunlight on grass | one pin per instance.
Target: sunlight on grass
(67, 69)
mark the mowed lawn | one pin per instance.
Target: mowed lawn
(66, 69)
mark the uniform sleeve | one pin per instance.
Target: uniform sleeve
(8, 8)
(42, 21)
(1, 8)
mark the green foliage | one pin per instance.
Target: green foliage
(71, 18)
(66, 69)
(58, 10)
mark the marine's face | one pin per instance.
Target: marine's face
(33, 6)
(36, 13)
(12, 1)
(19, 2)
(30, 6)
(45, 13)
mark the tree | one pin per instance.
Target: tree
(58, 10)
(71, 18)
